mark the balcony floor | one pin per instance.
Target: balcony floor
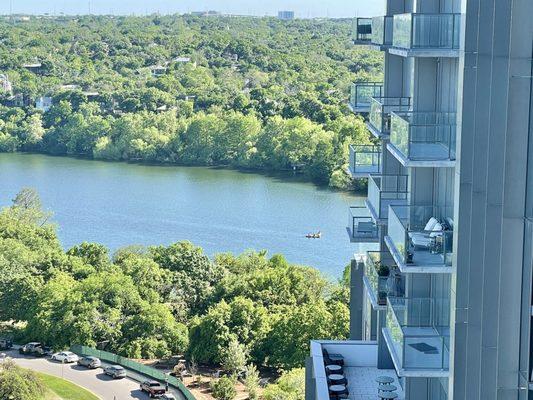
(364, 171)
(423, 155)
(423, 260)
(362, 382)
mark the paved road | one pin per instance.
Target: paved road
(93, 380)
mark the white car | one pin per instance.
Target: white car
(65, 356)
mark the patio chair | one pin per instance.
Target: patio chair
(329, 359)
(426, 238)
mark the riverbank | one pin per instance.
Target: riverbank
(342, 183)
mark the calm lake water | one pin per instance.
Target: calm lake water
(119, 204)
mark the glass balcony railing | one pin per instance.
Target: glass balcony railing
(383, 276)
(361, 226)
(382, 28)
(384, 191)
(421, 235)
(362, 30)
(424, 136)
(361, 94)
(365, 159)
(381, 109)
(420, 332)
(426, 31)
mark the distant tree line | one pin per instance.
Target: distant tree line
(254, 93)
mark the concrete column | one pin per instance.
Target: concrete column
(356, 301)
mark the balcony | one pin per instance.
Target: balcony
(418, 336)
(420, 238)
(361, 227)
(382, 32)
(361, 94)
(360, 369)
(423, 139)
(362, 30)
(383, 191)
(364, 160)
(426, 35)
(382, 278)
(380, 114)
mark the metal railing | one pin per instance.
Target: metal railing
(424, 136)
(134, 366)
(362, 29)
(426, 31)
(413, 243)
(382, 29)
(419, 329)
(365, 159)
(386, 190)
(361, 93)
(381, 109)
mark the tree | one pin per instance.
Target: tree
(224, 388)
(287, 344)
(251, 382)
(290, 386)
(234, 357)
(19, 384)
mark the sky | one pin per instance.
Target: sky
(302, 8)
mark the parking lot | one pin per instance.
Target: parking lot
(94, 380)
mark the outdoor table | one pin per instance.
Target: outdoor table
(337, 378)
(387, 388)
(387, 395)
(333, 368)
(365, 227)
(338, 389)
(384, 380)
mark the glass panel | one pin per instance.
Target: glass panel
(402, 31)
(419, 341)
(378, 30)
(385, 190)
(365, 159)
(424, 136)
(362, 92)
(383, 276)
(381, 109)
(360, 224)
(362, 29)
(376, 112)
(431, 31)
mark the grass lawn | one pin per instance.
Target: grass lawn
(61, 389)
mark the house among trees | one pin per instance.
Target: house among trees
(35, 67)
(158, 70)
(43, 103)
(5, 84)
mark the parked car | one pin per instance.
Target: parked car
(89, 362)
(5, 344)
(65, 356)
(115, 371)
(35, 349)
(153, 388)
(168, 396)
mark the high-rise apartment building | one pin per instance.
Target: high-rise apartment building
(444, 305)
(286, 15)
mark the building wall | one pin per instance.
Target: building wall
(495, 89)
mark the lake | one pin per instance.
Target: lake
(221, 210)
